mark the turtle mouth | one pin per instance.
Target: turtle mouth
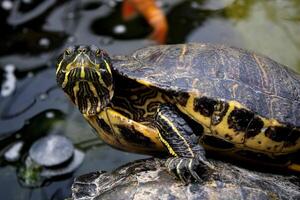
(83, 68)
(79, 68)
(80, 73)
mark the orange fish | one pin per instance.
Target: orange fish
(153, 14)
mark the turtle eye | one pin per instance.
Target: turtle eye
(68, 52)
(98, 52)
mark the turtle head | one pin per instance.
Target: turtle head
(84, 73)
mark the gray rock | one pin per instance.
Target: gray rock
(32, 174)
(149, 179)
(66, 169)
(13, 153)
(51, 150)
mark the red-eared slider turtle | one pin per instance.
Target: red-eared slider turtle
(181, 98)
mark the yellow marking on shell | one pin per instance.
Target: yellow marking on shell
(269, 145)
(223, 129)
(292, 148)
(107, 66)
(189, 110)
(259, 143)
(144, 82)
(294, 167)
(177, 132)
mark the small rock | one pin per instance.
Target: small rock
(51, 150)
(66, 169)
(50, 156)
(13, 153)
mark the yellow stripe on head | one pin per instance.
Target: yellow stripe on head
(58, 66)
(107, 66)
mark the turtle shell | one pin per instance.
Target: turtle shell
(218, 72)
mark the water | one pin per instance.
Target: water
(35, 32)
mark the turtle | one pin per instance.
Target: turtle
(184, 100)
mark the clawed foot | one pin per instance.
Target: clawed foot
(188, 169)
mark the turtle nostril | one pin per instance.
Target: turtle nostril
(82, 50)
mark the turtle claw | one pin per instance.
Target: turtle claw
(205, 162)
(191, 168)
(187, 169)
(180, 171)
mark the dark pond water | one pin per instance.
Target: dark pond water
(34, 32)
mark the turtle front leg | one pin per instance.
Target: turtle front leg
(188, 159)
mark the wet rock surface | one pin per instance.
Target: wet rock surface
(149, 179)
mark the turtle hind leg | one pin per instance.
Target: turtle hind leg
(188, 161)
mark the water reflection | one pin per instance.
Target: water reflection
(269, 27)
